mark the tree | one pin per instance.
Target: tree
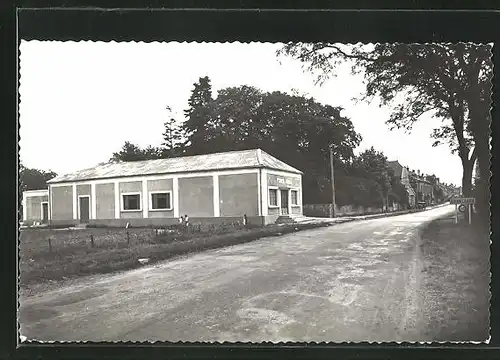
(452, 82)
(477, 176)
(132, 152)
(360, 191)
(372, 165)
(199, 116)
(237, 121)
(439, 194)
(153, 153)
(296, 129)
(397, 192)
(172, 138)
(34, 179)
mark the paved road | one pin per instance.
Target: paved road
(355, 281)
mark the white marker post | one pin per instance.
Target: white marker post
(470, 215)
(456, 213)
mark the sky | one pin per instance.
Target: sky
(80, 101)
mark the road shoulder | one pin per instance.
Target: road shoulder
(455, 281)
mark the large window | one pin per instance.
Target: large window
(131, 202)
(161, 200)
(273, 197)
(295, 197)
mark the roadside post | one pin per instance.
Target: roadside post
(460, 204)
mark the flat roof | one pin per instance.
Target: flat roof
(232, 160)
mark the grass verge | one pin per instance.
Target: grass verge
(455, 281)
(71, 254)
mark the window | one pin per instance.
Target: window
(273, 197)
(131, 202)
(161, 201)
(295, 197)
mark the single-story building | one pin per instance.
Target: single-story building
(208, 188)
(35, 207)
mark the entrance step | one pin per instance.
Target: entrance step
(300, 218)
(285, 219)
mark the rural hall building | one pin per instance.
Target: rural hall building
(208, 188)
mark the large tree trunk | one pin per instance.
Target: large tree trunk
(481, 121)
(467, 177)
(483, 189)
(467, 165)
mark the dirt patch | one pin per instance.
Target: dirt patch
(455, 281)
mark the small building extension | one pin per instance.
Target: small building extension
(35, 207)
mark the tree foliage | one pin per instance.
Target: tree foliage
(198, 116)
(172, 138)
(397, 192)
(296, 129)
(371, 165)
(132, 152)
(34, 179)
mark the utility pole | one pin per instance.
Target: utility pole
(332, 173)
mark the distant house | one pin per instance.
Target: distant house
(403, 174)
(208, 188)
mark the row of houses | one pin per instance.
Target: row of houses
(212, 188)
(419, 188)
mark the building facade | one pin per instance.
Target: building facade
(35, 207)
(403, 174)
(208, 188)
(424, 189)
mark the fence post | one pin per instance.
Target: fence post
(92, 240)
(50, 245)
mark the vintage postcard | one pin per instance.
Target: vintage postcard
(250, 192)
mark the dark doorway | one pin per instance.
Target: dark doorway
(45, 212)
(284, 202)
(84, 209)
